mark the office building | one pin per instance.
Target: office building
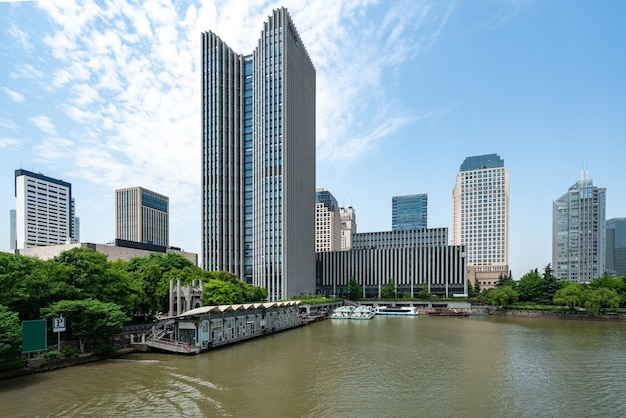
(43, 210)
(400, 239)
(142, 216)
(578, 232)
(409, 212)
(12, 229)
(616, 247)
(348, 227)
(327, 222)
(481, 217)
(75, 222)
(258, 160)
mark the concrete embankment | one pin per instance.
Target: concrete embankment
(560, 315)
(37, 365)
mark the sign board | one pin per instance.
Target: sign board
(34, 336)
(58, 324)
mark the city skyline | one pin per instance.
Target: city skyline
(102, 99)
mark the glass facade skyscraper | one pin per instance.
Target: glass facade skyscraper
(481, 217)
(616, 246)
(578, 228)
(258, 160)
(409, 212)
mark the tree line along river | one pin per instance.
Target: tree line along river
(385, 367)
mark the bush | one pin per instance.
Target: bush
(50, 355)
(18, 363)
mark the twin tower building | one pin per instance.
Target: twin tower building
(258, 183)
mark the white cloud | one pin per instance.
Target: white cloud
(20, 36)
(129, 75)
(9, 124)
(44, 123)
(9, 143)
(13, 95)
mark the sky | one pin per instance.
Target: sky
(106, 95)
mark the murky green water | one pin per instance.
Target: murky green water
(386, 367)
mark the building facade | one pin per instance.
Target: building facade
(616, 247)
(12, 229)
(578, 232)
(142, 215)
(43, 210)
(400, 238)
(327, 222)
(441, 269)
(409, 212)
(258, 160)
(348, 227)
(481, 217)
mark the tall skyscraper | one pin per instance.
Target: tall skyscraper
(616, 246)
(258, 160)
(75, 222)
(43, 210)
(409, 212)
(481, 217)
(578, 229)
(327, 222)
(142, 215)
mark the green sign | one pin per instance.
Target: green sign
(34, 336)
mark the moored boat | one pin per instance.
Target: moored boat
(396, 311)
(448, 312)
(353, 312)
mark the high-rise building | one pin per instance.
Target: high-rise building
(578, 232)
(142, 215)
(43, 210)
(75, 223)
(327, 222)
(13, 229)
(616, 246)
(258, 160)
(348, 227)
(409, 212)
(481, 217)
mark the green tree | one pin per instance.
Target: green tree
(219, 292)
(505, 280)
(89, 319)
(503, 296)
(531, 287)
(598, 299)
(91, 276)
(10, 335)
(424, 293)
(354, 289)
(550, 285)
(571, 295)
(389, 290)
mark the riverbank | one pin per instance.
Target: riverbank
(36, 366)
(559, 315)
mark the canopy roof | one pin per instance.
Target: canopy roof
(238, 307)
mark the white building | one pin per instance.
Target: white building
(43, 210)
(327, 222)
(481, 217)
(348, 227)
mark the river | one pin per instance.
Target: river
(386, 367)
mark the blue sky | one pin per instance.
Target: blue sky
(107, 96)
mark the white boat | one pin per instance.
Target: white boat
(353, 312)
(396, 310)
(363, 312)
(343, 312)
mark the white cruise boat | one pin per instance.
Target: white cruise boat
(396, 310)
(353, 312)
